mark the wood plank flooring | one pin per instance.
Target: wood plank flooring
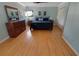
(36, 43)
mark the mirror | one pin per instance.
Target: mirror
(12, 13)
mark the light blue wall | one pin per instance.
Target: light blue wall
(3, 20)
(51, 11)
(3, 17)
(71, 30)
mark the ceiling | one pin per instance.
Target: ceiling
(46, 4)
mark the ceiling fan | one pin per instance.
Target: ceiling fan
(40, 2)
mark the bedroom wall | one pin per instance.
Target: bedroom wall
(3, 17)
(51, 11)
(71, 30)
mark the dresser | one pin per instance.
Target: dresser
(15, 28)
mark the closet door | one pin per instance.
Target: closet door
(61, 16)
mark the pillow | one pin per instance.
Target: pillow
(37, 19)
(40, 19)
(45, 19)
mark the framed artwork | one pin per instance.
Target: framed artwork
(44, 13)
(39, 13)
(12, 13)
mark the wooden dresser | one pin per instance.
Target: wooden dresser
(15, 28)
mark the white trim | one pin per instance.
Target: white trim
(21, 4)
(61, 27)
(31, 4)
(3, 40)
(63, 4)
(70, 45)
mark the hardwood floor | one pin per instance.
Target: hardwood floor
(37, 43)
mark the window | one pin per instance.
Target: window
(29, 13)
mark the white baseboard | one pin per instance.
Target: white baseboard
(3, 40)
(70, 46)
(61, 27)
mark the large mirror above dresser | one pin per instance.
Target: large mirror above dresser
(14, 25)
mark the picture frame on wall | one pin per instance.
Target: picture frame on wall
(39, 13)
(45, 13)
(11, 12)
